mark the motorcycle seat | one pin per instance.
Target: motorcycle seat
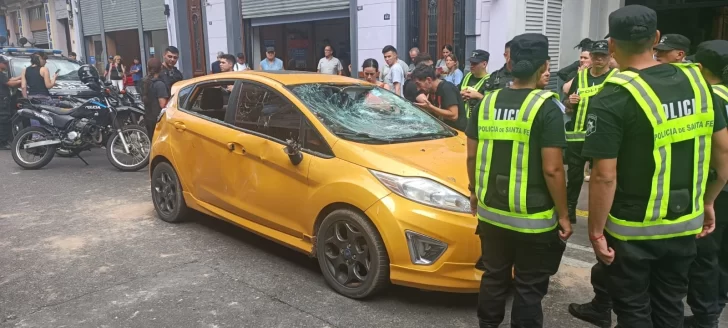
(55, 110)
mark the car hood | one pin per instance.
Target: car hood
(442, 160)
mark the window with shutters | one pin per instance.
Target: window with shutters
(35, 13)
(544, 16)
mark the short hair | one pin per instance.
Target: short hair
(172, 49)
(229, 58)
(389, 48)
(508, 44)
(220, 54)
(635, 47)
(416, 50)
(422, 57)
(72, 53)
(422, 72)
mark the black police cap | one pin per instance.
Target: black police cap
(600, 47)
(713, 55)
(530, 46)
(479, 56)
(673, 42)
(632, 23)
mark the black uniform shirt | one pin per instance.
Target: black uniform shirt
(4, 88)
(500, 79)
(622, 130)
(447, 94)
(547, 131)
(170, 77)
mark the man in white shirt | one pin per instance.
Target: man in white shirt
(393, 73)
(330, 64)
(240, 64)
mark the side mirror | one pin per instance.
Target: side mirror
(293, 150)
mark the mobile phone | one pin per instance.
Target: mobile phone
(58, 71)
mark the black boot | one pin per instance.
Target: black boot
(707, 321)
(588, 313)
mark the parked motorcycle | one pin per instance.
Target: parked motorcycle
(93, 122)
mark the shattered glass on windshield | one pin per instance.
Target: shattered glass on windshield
(365, 113)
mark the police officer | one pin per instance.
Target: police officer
(657, 121)
(708, 280)
(586, 84)
(516, 135)
(6, 110)
(472, 88)
(502, 77)
(673, 48)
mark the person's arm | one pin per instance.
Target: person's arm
(564, 73)
(49, 82)
(603, 145)
(572, 99)
(552, 140)
(471, 131)
(14, 82)
(318, 69)
(340, 68)
(162, 94)
(449, 105)
(719, 162)
(23, 84)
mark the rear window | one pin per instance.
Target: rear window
(68, 69)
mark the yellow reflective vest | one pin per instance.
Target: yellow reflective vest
(464, 85)
(696, 128)
(490, 130)
(585, 93)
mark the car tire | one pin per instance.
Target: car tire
(335, 255)
(166, 189)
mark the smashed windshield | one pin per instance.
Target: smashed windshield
(368, 113)
(68, 70)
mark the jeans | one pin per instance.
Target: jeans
(648, 280)
(535, 258)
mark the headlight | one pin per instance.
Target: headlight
(424, 250)
(424, 191)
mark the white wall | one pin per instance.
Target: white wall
(216, 29)
(574, 30)
(373, 32)
(495, 24)
(171, 24)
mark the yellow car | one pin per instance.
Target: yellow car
(333, 167)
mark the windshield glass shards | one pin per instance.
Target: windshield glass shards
(366, 113)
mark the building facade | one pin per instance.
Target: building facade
(43, 23)
(132, 29)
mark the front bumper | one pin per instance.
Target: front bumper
(454, 270)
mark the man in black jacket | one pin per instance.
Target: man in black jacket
(501, 78)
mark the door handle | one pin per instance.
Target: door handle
(180, 126)
(236, 148)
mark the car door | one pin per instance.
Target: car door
(201, 144)
(268, 186)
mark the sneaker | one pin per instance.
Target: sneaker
(588, 313)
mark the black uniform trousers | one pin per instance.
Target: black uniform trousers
(534, 257)
(648, 280)
(709, 272)
(574, 175)
(6, 114)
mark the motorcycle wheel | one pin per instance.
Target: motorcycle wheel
(139, 147)
(25, 135)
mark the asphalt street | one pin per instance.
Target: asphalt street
(81, 247)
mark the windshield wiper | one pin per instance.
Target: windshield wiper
(426, 136)
(361, 136)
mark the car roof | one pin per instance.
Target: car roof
(283, 77)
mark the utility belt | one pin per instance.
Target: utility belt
(539, 199)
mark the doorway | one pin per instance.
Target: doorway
(197, 38)
(436, 23)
